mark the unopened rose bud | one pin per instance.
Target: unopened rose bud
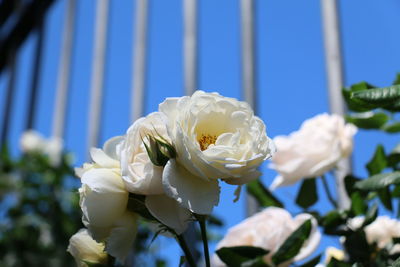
(158, 150)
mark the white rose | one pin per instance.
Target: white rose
(32, 141)
(381, 231)
(215, 137)
(142, 177)
(84, 249)
(268, 229)
(104, 199)
(313, 150)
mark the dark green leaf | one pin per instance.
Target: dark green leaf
(368, 121)
(357, 247)
(371, 215)
(213, 220)
(136, 204)
(383, 95)
(379, 181)
(257, 262)
(333, 222)
(236, 256)
(307, 195)
(355, 104)
(349, 182)
(358, 205)
(336, 263)
(263, 196)
(397, 80)
(385, 197)
(378, 162)
(396, 191)
(392, 128)
(293, 243)
(312, 263)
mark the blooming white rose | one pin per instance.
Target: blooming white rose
(84, 249)
(142, 177)
(215, 137)
(32, 141)
(268, 229)
(314, 149)
(381, 231)
(104, 199)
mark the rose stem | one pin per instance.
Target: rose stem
(328, 193)
(185, 248)
(202, 222)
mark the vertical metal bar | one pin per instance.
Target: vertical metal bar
(334, 68)
(190, 84)
(190, 45)
(98, 72)
(37, 65)
(139, 60)
(64, 71)
(9, 98)
(249, 73)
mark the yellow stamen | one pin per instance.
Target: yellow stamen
(206, 140)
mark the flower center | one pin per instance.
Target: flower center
(206, 140)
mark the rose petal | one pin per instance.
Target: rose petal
(122, 236)
(192, 192)
(110, 147)
(102, 159)
(169, 212)
(103, 198)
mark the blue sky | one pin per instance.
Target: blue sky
(290, 61)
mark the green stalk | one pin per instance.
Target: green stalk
(202, 222)
(186, 250)
(328, 192)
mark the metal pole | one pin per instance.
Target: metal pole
(32, 100)
(334, 68)
(139, 60)
(64, 70)
(249, 73)
(98, 72)
(190, 45)
(9, 98)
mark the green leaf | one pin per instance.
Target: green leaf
(336, 263)
(355, 104)
(313, 262)
(397, 79)
(236, 256)
(371, 215)
(349, 182)
(368, 120)
(358, 205)
(357, 247)
(379, 181)
(392, 128)
(136, 204)
(293, 243)
(263, 196)
(307, 195)
(378, 96)
(257, 262)
(385, 197)
(378, 162)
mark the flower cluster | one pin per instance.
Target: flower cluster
(173, 161)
